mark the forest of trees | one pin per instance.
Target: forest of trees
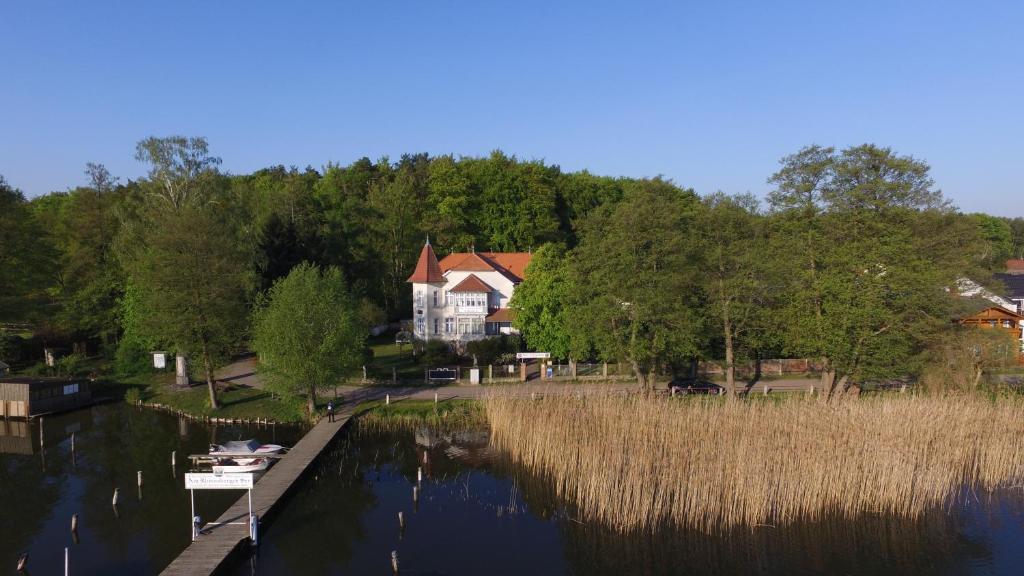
(846, 261)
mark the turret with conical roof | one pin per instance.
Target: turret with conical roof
(425, 282)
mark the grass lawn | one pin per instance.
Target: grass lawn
(388, 355)
(236, 401)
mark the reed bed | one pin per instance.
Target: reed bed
(643, 463)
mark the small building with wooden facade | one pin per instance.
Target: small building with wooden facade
(998, 318)
(29, 396)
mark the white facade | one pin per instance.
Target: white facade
(440, 313)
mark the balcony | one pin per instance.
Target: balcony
(471, 310)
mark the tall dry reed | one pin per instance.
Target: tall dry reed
(638, 463)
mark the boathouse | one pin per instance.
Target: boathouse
(29, 396)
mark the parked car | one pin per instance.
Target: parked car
(694, 386)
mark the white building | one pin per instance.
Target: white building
(465, 296)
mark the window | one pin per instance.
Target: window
(436, 321)
(1007, 324)
(478, 326)
(435, 305)
(70, 389)
(449, 325)
(465, 325)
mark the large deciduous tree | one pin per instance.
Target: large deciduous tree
(541, 303)
(307, 332)
(28, 261)
(735, 277)
(191, 277)
(873, 248)
(635, 279)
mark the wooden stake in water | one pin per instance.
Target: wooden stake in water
(435, 397)
(74, 523)
(419, 475)
(387, 399)
(174, 458)
(139, 475)
(415, 494)
(394, 561)
(426, 457)
(401, 521)
(113, 501)
(66, 572)
(72, 441)
(23, 562)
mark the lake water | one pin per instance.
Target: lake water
(41, 488)
(476, 513)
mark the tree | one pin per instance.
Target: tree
(191, 275)
(28, 261)
(541, 301)
(177, 164)
(872, 248)
(634, 278)
(998, 239)
(307, 332)
(91, 278)
(733, 247)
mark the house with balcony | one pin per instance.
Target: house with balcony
(465, 295)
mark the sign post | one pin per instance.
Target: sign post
(206, 481)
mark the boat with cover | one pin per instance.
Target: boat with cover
(245, 447)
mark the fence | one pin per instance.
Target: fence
(776, 366)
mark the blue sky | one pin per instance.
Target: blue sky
(710, 94)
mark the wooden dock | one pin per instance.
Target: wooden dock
(231, 530)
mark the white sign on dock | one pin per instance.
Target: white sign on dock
(206, 481)
(532, 355)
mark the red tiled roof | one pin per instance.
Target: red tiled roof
(511, 264)
(472, 284)
(501, 315)
(427, 267)
(1015, 265)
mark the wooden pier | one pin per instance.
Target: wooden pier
(231, 530)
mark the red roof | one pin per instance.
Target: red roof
(1015, 266)
(511, 264)
(501, 315)
(472, 284)
(427, 267)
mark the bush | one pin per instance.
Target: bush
(489, 350)
(133, 396)
(437, 353)
(131, 358)
(72, 365)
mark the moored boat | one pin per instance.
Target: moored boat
(235, 465)
(240, 447)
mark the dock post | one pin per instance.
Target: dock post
(66, 571)
(394, 561)
(72, 441)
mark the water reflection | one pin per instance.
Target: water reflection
(479, 514)
(42, 485)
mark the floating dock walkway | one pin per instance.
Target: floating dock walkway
(211, 549)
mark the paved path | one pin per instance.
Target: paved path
(211, 549)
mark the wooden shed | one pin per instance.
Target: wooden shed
(27, 396)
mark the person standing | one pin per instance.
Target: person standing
(330, 411)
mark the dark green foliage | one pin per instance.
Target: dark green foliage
(437, 353)
(488, 350)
